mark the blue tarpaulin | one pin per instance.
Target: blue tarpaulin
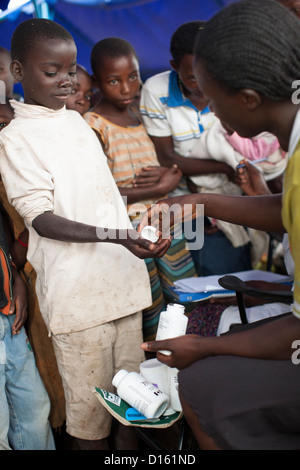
(147, 24)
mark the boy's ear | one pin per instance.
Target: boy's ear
(174, 65)
(94, 80)
(250, 98)
(16, 70)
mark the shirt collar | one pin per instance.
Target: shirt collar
(176, 97)
(24, 110)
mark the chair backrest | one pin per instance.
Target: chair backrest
(240, 287)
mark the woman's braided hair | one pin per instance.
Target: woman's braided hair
(252, 44)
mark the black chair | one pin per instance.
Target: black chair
(233, 283)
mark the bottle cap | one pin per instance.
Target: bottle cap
(148, 232)
(118, 377)
(175, 308)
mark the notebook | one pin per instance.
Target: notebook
(194, 289)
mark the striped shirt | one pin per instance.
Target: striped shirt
(128, 149)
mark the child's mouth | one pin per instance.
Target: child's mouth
(62, 97)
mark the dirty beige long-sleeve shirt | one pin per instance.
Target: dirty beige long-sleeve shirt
(52, 161)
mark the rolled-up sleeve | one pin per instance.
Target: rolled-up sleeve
(29, 186)
(153, 114)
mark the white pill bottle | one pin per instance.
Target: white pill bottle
(140, 394)
(172, 323)
(173, 387)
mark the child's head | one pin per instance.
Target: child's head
(44, 60)
(292, 5)
(81, 95)
(116, 71)
(6, 114)
(5, 73)
(246, 59)
(182, 52)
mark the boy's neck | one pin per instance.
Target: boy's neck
(121, 117)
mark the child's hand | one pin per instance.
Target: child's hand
(143, 248)
(170, 179)
(250, 179)
(166, 178)
(148, 176)
(19, 303)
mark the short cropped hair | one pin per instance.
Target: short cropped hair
(112, 47)
(252, 44)
(27, 33)
(183, 39)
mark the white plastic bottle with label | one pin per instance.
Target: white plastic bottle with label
(173, 384)
(157, 373)
(140, 394)
(172, 323)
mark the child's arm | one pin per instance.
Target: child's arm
(55, 227)
(19, 299)
(188, 166)
(19, 249)
(19, 302)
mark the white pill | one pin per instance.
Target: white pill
(148, 232)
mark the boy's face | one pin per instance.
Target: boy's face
(48, 73)
(81, 95)
(6, 115)
(5, 73)
(119, 80)
(186, 74)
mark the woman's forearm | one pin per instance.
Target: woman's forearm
(258, 212)
(272, 340)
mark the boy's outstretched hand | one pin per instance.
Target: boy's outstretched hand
(143, 248)
(19, 302)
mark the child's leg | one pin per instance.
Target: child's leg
(85, 361)
(4, 411)
(128, 355)
(29, 405)
(127, 348)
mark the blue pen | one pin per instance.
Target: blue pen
(242, 165)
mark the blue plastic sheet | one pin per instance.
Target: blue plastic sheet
(147, 24)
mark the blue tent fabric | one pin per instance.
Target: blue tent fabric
(147, 24)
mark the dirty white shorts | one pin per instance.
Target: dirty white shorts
(90, 358)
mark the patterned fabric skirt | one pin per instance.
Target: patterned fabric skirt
(204, 319)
